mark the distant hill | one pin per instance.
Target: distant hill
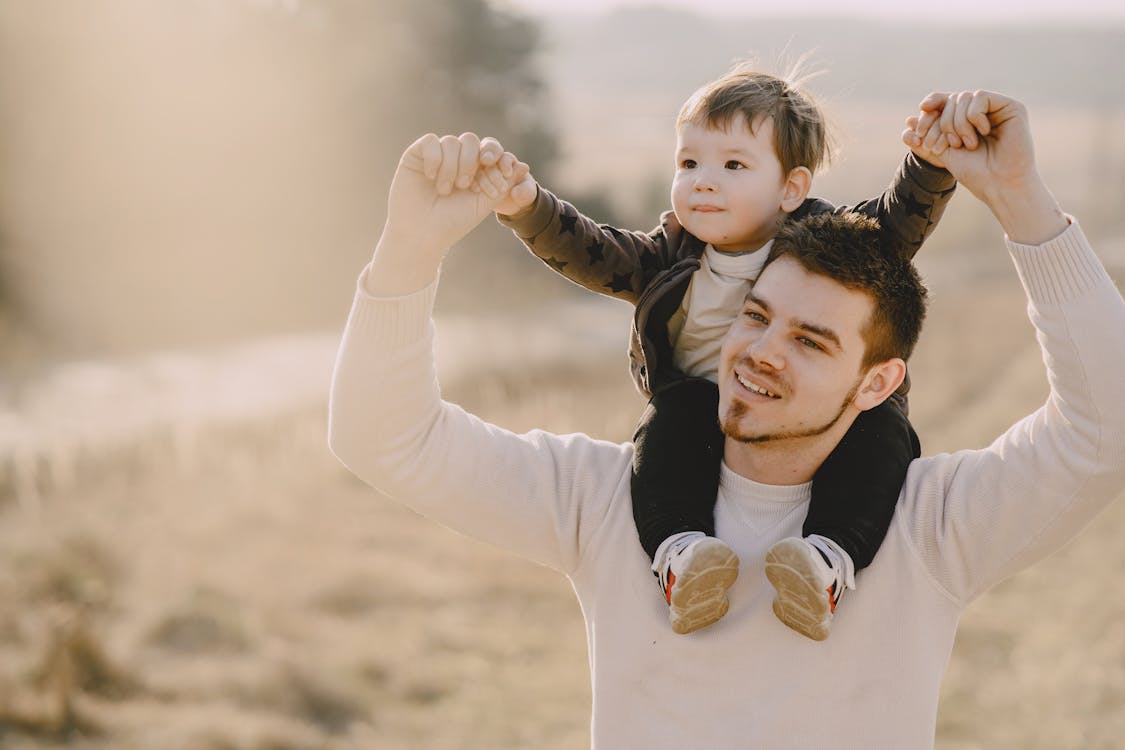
(654, 49)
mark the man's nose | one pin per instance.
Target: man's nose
(767, 350)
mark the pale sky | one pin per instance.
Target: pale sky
(944, 12)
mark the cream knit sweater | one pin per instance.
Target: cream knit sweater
(964, 521)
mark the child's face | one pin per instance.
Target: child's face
(729, 184)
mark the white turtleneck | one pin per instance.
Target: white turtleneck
(713, 299)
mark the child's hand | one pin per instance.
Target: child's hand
(524, 187)
(946, 121)
(924, 137)
(523, 192)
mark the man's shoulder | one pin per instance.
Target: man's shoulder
(931, 474)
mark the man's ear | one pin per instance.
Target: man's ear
(797, 186)
(879, 383)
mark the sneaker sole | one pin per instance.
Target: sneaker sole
(799, 604)
(699, 597)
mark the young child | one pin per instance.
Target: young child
(747, 146)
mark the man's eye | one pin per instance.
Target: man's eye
(810, 343)
(687, 164)
(757, 317)
(732, 164)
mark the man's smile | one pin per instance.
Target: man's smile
(754, 387)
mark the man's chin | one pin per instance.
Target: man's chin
(734, 425)
(739, 434)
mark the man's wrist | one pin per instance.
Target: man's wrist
(1028, 213)
(402, 265)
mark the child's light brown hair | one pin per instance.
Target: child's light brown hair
(800, 131)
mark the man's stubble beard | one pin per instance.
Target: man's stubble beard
(737, 409)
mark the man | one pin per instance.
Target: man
(964, 521)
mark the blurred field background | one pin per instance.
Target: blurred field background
(188, 191)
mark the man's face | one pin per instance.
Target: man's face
(789, 367)
(729, 184)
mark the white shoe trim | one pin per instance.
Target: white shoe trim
(842, 566)
(669, 547)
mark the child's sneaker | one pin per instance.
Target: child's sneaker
(808, 585)
(694, 573)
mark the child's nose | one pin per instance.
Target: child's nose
(703, 182)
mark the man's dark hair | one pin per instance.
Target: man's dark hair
(847, 248)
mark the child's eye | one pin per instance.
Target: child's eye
(687, 164)
(733, 164)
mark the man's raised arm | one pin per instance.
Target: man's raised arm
(985, 141)
(532, 494)
(987, 514)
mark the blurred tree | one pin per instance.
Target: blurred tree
(450, 66)
(158, 155)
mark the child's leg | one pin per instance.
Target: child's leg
(853, 499)
(678, 449)
(856, 488)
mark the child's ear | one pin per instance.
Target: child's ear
(797, 186)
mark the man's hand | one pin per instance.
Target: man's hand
(1001, 157)
(432, 201)
(984, 140)
(442, 189)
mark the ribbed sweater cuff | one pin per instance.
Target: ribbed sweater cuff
(1060, 269)
(392, 321)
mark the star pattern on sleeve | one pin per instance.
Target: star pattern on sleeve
(621, 282)
(649, 262)
(567, 223)
(556, 264)
(596, 251)
(914, 207)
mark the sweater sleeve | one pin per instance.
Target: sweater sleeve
(604, 259)
(532, 494)
(978, 517)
